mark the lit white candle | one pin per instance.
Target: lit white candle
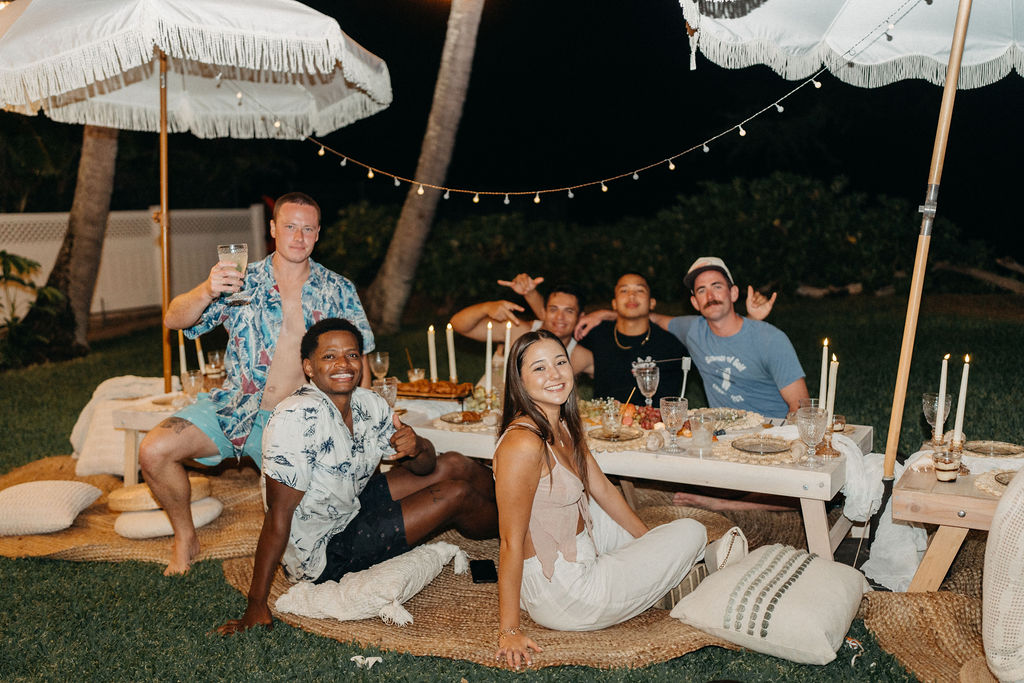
(508, 345)
(833, 370)
(432, 353)
(823, 385)
(487, 357)
(199, 352)
(449, 335)
(181, 352)
(940, 408)
(958, 429)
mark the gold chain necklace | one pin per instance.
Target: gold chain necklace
(615, 336)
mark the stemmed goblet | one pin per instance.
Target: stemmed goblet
(810, 423)
(387, 387)
(673, 414)
(379, 363)
(647, 377)
(930, 404)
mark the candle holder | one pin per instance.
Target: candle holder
(825, 449)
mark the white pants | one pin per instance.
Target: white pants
(614, 578)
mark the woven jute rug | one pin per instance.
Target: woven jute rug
(92, 536)
(455, 618)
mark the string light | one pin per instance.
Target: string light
(506, 202)
(571, 195)
(321, 152)
(705, 148)
(671, 165)
(476, 198)
(743, 133)
(636, 176)
(779, 108)
(238, 95)
(220, 74)
(369, 173)
(397, 184)
(604, 188)
(420, 190)
(817, 84)
(447, 194)
(277, 124)
(344, 161)
(536, 198)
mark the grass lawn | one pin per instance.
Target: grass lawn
(125, 621)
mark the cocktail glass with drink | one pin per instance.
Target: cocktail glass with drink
(238, 254)
(192, 384)
(701, 425)
(673, 414)
(379, 363)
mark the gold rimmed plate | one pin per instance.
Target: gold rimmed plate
(1004, 478)
(762, 445)
(994, 449)
(624, 434)
(463, 417)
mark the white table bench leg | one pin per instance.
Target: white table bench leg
(131, 457)
(816, 527)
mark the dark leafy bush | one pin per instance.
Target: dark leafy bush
(18, 341)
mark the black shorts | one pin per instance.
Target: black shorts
(376, 534)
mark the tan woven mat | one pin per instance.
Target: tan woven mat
(92, 536)
(931, 634)
(455, 618)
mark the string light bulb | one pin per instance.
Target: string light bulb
(671, 165)
(743, 132)
(506, 200)
(420, 190)
(220, 74)
(397, 183)
(636, 176)
(369, 173)
(817, 84)
(321, 152)
(447, 194)
(706, 148)
(571, 195)
(344, 160)
(536, 198)
(277, 123)
(888, 36)
(476, 198)
(238, 95)
(779, 108)
(604, 188)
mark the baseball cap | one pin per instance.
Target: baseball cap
(706, 263)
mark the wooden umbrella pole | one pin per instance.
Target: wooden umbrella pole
(924, 239)
(165, 288)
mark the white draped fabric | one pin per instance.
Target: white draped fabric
(867, 43)
(96, 62)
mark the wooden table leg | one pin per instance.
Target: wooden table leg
(131, 457)
(816, 527)
(940, 554)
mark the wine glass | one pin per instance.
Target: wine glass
(673, 414)
(387, 387)
(810, 422)
(379, 363)
(192, 383)
(237, 254)
(647, 380)
(930, 403)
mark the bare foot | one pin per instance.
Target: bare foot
(719, 504)
(182, 554)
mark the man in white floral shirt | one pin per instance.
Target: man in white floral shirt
(329, 511)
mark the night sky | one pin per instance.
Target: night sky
(571, 91)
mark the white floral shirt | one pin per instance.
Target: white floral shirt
(308, 447)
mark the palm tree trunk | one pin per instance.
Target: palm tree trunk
(78, 262)
(387, 296)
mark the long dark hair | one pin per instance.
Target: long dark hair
(519, 404)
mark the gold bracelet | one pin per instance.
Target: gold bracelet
(515, 630)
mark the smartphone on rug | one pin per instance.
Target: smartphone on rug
(483, 571)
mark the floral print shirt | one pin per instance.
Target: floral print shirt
(253, 329)
(308, 447)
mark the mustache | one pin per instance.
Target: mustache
(711, 302)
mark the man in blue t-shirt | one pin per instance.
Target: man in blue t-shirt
(744, 363)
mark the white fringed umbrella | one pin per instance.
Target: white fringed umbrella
(215, 68)
(870, 43)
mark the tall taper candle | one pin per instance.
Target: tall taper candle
(958, 429)
(199, 352)
(823, 385)
(181, 352)
(487, 357)
(940, 408)
(432, 353)
(833, 370)
(508, 345)
(449, 336)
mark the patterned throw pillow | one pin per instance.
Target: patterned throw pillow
(778, 601)
(42, 507)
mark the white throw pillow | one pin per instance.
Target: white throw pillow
(42, 507)
(778, 601)
(377, 591)
(153, 523)
(1002, 610)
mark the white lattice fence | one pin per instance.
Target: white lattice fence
(129, 275)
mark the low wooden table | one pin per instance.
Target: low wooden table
(812, 487)
(137, 418)
(956, 507)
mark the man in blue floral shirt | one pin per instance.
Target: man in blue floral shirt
(329, 512)
(287, 292)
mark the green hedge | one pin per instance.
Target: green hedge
(775, 232)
